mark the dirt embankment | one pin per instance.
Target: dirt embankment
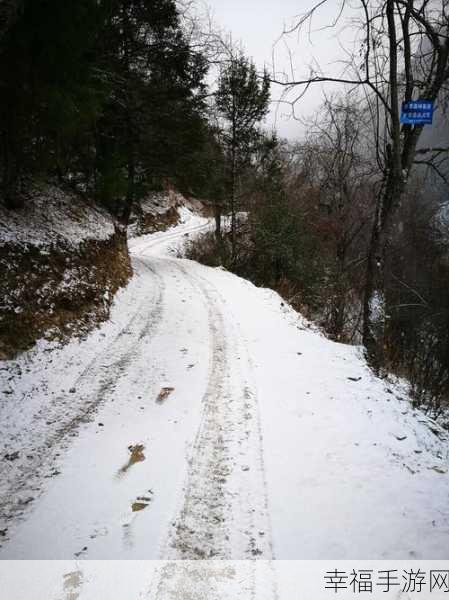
(160, 210)
(61, 262)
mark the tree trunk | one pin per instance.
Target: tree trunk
(233, 201)
(373, 330)
(371, 282)
(126, 215)
(217, 216)
(389, 197)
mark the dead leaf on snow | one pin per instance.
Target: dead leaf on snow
(164, 394)
(136, 456)
(138, 506)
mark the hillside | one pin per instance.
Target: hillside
(62, 259)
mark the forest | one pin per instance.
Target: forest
(224, 308)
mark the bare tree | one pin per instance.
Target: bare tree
(336, 163)
(402, 53)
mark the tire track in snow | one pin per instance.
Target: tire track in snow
(257, 443)
(214, 580)
(224, 511)
(93, 386)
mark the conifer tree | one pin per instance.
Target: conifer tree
(242, 101)
(155, 108)
(105, 95)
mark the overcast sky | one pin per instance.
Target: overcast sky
(259, 23)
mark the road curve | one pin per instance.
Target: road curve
(180, 337)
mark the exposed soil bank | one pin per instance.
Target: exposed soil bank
(160, 210)
(61, 262)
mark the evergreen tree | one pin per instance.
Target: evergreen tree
(282, 247)
(48, 88)
(107, 95)
(153, 116)
(242, 100)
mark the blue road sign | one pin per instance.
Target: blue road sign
(417, 112)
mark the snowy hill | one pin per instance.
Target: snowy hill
(54, 218)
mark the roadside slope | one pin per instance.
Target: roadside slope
(62, 259)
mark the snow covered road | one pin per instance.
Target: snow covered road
(206, 419)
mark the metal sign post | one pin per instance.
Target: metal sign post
(417, 112)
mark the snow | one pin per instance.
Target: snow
(214, 580)
(272, 442)
(54, 217)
